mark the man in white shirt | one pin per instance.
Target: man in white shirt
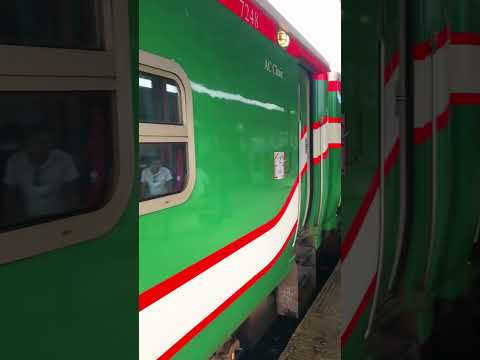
(40, 180)
(156, 180)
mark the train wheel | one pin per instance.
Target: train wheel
(228, 351)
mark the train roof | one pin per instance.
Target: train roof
(261, 15)
(289, 28)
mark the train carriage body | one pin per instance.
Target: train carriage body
(200, 200)
(68, 269)
(167, 226)
(409, 213)
(259, 155)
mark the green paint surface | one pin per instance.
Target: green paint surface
(235, 143)
(79, 302)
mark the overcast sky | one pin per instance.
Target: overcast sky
(319, 21)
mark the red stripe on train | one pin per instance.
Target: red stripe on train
(391, 67)
(304, 132)
(361, 309)
(321, 77)
(422, 134)
(248, 12)
(334, 86)
(465, 38)
(318, 159)
(465, 99)
(326, 119)
(421, 51)
(357, 223)
(442, 37)
(424, 49)
(205, 322)
(157, 292)
(264, 24)
(304, 170)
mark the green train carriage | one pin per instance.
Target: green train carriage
(410, 218)
(231, 118)
(69, 207)
(248, 135)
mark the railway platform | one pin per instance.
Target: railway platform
(317, 337)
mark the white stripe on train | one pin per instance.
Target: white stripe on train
(165, 322)
(357, 273)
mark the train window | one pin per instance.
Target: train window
(163, 169)
(55, 155)
(73, 24)
(159, 100)
(66, 134)
(167, 157)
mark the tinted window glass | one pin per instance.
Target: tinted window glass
(159, 100)
(75, 24)
(55, 155)
(163, 169)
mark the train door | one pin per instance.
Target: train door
(304, 145)
(392, 170)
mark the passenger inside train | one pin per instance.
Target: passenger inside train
(55, 156)
(162, 169)
(156, 180)
(43, 176)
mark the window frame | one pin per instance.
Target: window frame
(78, 70)
(167, 128)
(51, 61)
(170, 133)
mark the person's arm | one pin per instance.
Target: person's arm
(170, 182)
